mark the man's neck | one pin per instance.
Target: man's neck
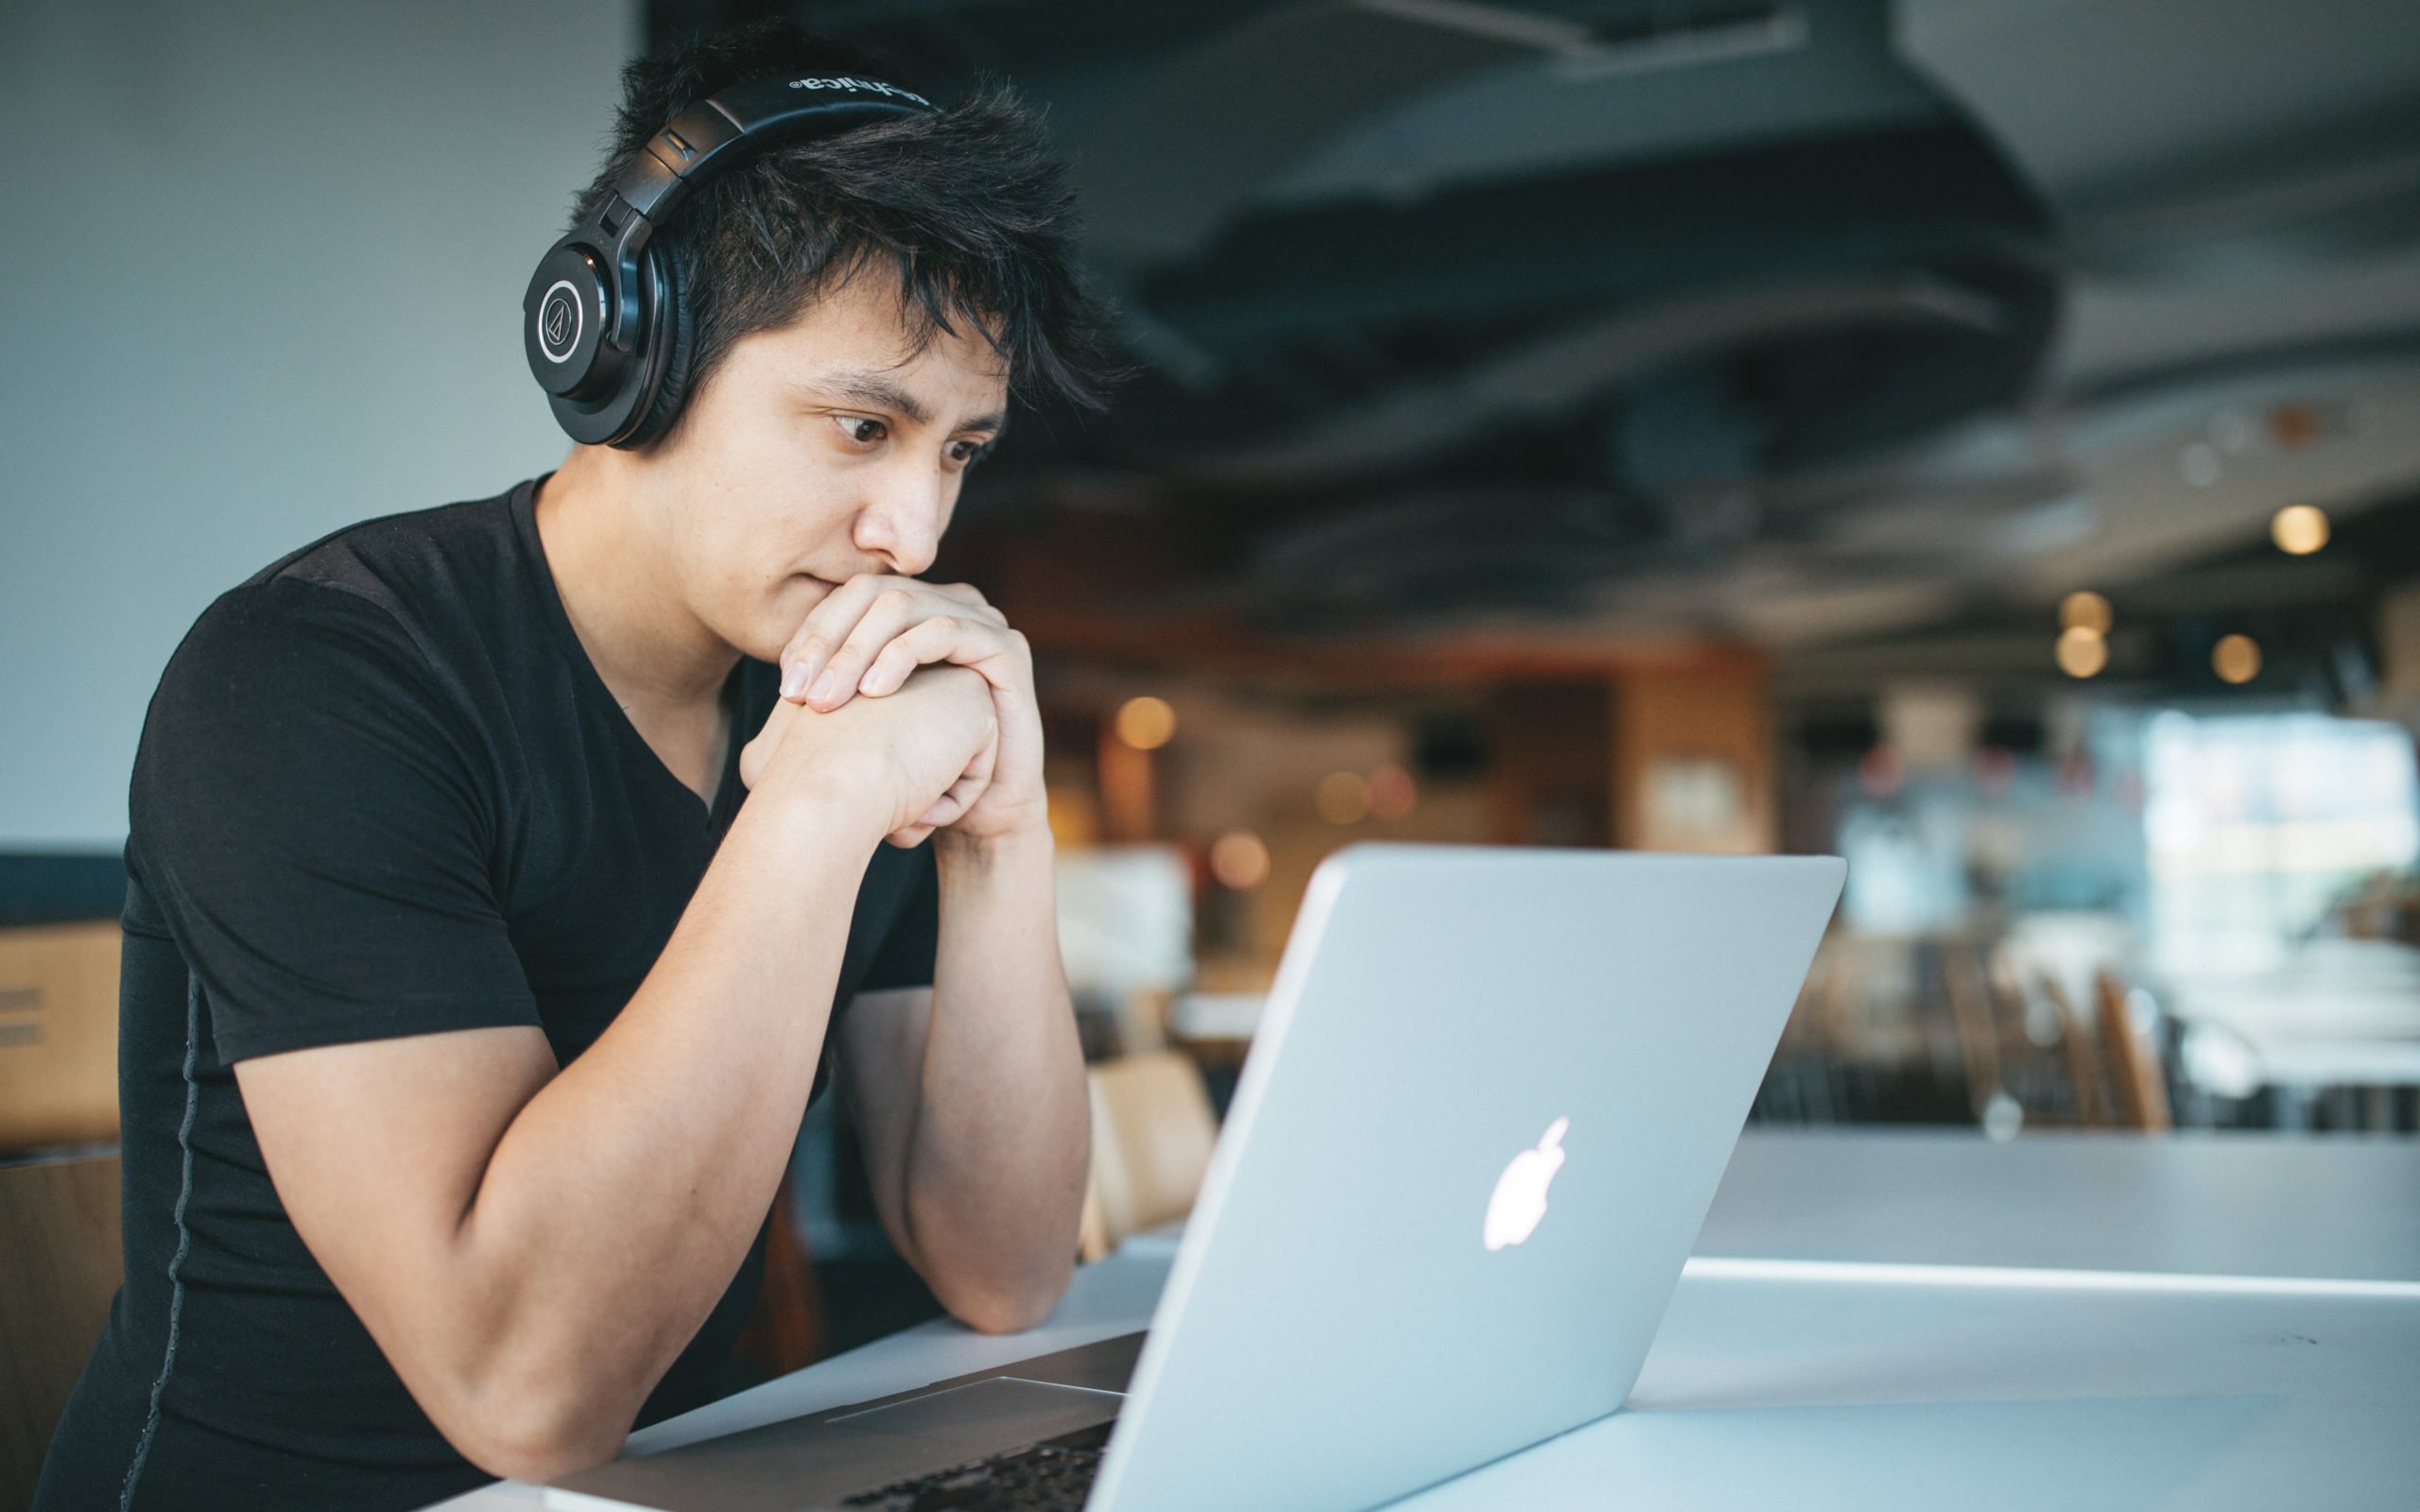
(653, 654)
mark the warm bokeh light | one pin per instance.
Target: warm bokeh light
(1240, 859)
(2084, 609)
(1146, 723)
(2236, 659)
(2082, 652)
(2299, 529)
(1343, 798)
(1392, 793)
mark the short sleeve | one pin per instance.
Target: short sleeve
(904, 957)
(308, 812)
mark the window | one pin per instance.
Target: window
(2255, 823)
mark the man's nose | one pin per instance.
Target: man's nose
(904, 527)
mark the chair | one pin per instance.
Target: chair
(2083, 1060)
(1978, 1036)
(1153, 1134)
(59, 1232)
(2134, 1061)
(787, 1329)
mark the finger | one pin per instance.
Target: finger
(972, 597)
(891, 614)
(825, 627)
(909, 837)
(962, 796)
(963, 792)
(972, 784)
(953, 804)
(948, 639)
(980, 765)
(944, 810)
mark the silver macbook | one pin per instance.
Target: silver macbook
(1481, 1122)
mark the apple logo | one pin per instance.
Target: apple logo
(1520, 1197)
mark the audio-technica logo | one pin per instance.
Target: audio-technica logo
(875, 85)
(559, 322)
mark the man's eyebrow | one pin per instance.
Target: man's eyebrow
(882, 393)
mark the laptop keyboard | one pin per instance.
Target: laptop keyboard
(1054, 1475)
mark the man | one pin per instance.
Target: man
(468, 1013)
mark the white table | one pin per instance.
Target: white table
(1881, 1320)
(2338, 1013)
(1868, 1395)
(2209, 1203)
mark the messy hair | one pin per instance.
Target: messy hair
(966, 204)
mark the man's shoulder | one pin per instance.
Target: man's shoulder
(415, 560)
(404, 597)
(368, 644)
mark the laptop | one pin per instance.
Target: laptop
(1482, 1120)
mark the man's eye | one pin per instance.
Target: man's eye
(975, 452)
(850, 422)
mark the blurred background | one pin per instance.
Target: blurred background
(1976, 438)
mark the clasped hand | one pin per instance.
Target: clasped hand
(951, 756)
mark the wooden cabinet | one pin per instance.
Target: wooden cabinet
(58, 1034)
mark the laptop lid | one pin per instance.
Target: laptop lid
(1480, 1123)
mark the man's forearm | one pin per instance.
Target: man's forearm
(622, 1198)
(995, 1176)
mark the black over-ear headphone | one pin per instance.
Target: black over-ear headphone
(604, 323)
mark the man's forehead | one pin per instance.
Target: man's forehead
(858, 342)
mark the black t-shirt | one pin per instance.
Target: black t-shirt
(381, 791)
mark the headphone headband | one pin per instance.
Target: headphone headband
(713, 133)
(594, 315)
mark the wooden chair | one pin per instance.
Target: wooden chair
(2134, 1061)
(60, 1265)
(2082, 1056)
(786, 1329)
(1152, 1133)
(1978, 1035)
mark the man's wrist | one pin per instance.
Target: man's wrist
(1021, 849)
(823, 806)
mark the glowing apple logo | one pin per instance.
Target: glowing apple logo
(1520, 1197)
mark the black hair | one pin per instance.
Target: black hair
(967, 204)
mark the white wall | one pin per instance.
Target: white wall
(261, 277)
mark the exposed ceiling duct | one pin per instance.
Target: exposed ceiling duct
(1689, 308)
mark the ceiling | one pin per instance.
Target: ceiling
(1805, 321)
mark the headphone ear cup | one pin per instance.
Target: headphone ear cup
(673, 328)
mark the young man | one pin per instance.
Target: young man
(468, 1012)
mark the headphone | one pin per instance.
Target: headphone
(603, 323)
